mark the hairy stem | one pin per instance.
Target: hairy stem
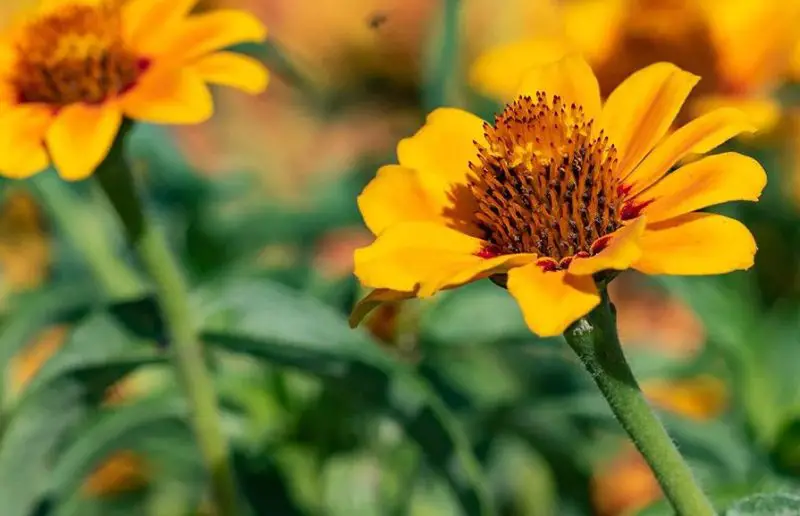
(594, 339)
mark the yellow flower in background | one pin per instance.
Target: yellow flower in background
(743, 49)
(70, 72)
(558, 189)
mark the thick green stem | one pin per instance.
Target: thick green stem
(594, 339)
(117, 181)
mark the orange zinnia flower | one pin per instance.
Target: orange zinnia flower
(559, 190)
(72, 70)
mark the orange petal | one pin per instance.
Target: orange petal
(22, 131)
(442, 150)
(639, 111)
(394, 195)
(696, 243)
(372, 301)
(571, 78)
(146, 22)
(706, 182)
(234, 70)
(205, 33)
(499, 72)
(622, 250)
(551, 301)
(697, 137)
(169, 96)
(80, 138)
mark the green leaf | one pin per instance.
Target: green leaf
(97, 353)
(778, 504)
(108, 431)
(30, 440)
(263, 319)
(36, 310)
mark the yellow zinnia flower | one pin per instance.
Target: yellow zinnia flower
(72, 70)
(743, 49)
(558, 189)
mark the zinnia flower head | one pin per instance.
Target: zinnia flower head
(558, 191)
(742, 48)
(72, 70)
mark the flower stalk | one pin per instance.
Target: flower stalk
(594, 339)
(116, 180)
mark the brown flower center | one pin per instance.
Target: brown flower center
(74, 54)
(543, 184)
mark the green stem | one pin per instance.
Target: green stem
(594, 339)
(443, 87)
(88, 235)
(117, 182)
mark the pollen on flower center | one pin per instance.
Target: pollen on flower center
(74, 54)
(543, 184)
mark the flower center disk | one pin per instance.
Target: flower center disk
(543, 184)
(74, 54)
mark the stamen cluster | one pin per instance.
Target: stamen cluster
(543, 184)
(74, 54)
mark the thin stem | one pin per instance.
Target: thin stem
(87, 234)
(444, 81)
(151, 246)
(594, 339)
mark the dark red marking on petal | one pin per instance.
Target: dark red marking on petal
(142, 65)
(490, 251)
(547, 264)
(633, 209)
(624, 189)
(601, 243)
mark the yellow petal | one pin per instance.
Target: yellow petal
(372, 301)
(696, 243)
(411, 253)
(477, 269)
(201, 34)
(498, 72)
(697, 137)
(762, 113)
(80, 138)
(22, 131)
(622, 250)
(551, 301)
(706, 182)
(146, 22)
(442, 150)
(394, 195)
(571, 78)
(169, 96)
(425, 257)
(234, 70)
(639, 111)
